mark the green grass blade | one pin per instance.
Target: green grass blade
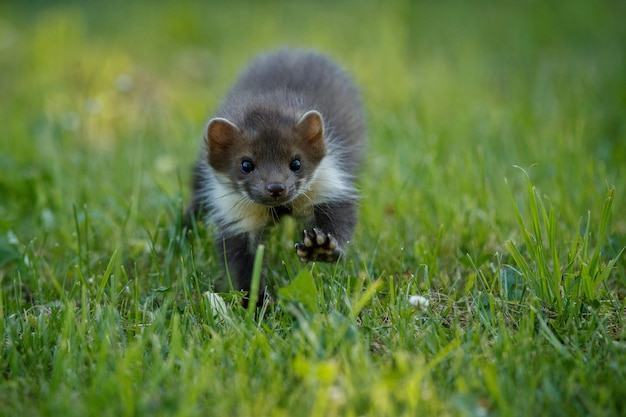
(256, 279)
(601, 239)
(107, 275)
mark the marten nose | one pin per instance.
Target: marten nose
(276, 189)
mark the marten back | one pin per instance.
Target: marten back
(293, 82)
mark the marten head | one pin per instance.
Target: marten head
(267, 158)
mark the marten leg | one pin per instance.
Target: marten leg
(333, 225)
(239, 252)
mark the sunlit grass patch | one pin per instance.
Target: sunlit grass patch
(561, 277)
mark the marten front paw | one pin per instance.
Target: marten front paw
(318, 246)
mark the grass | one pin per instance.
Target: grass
(107, 309)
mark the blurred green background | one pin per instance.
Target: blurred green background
(97, 98)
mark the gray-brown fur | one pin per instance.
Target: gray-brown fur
(287, 139)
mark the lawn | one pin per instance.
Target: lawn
(493, 188)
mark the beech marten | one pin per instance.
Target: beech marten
(287, 139)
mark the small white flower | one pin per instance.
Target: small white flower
(93, 105)
(418, 301)
(165, 164)
(124, 83)
(70, 121)
(217, 305)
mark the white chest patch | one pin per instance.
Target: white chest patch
(235, 213)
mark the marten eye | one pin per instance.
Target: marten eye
(295, 165)
(246, 167)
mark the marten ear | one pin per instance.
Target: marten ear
(221, 136)
(310, 127)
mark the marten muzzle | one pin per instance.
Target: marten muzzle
(276, 189)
